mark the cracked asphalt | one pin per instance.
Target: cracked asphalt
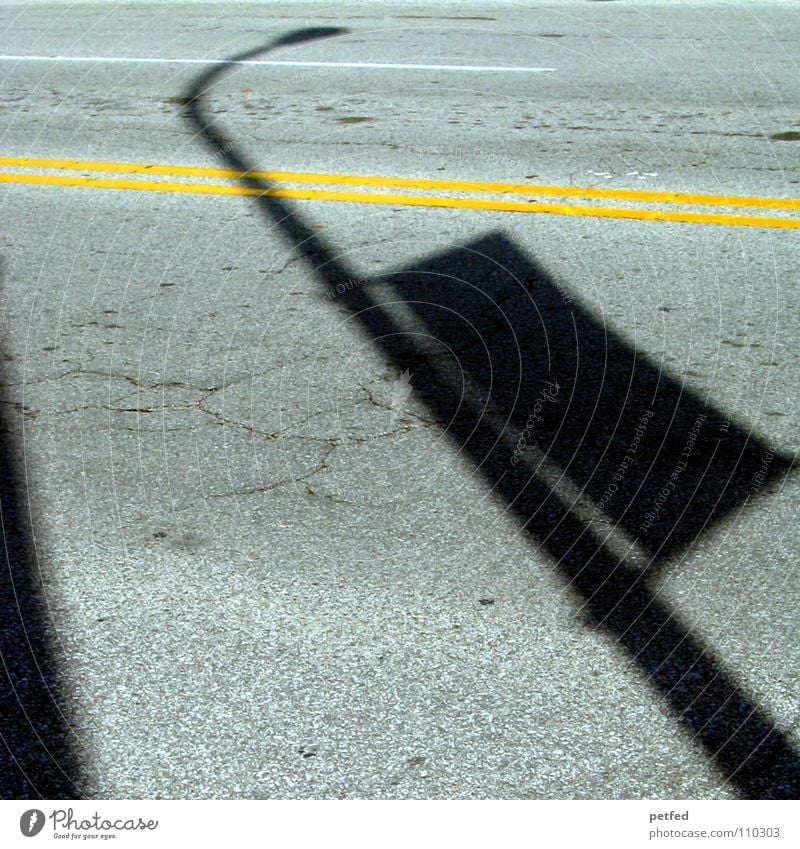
(263, 563)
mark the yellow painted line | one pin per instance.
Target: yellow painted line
(405, 200)
(526, 190)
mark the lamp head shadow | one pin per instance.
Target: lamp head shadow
(303, 36)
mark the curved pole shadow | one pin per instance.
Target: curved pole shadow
(596, 371)
(310, 246)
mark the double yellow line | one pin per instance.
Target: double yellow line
(659, 206)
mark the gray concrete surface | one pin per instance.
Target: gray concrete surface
(268, 571)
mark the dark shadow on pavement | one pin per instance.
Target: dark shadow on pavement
(36, 758)
(520, 374)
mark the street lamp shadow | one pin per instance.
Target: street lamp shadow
(525, 379)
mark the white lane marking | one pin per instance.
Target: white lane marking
(369, 65)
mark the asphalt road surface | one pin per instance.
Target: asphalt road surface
(446, 454)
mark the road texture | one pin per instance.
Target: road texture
(284, 522)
